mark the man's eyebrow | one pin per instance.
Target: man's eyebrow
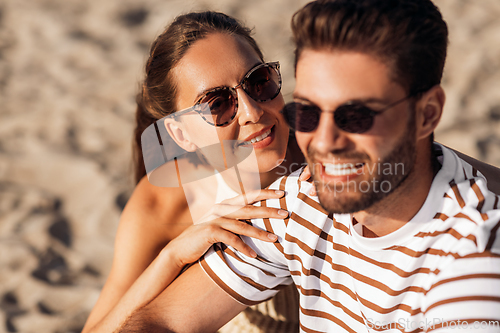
(296, 96)
(367, 100)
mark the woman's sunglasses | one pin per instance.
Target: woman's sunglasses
(352, 117)
(218, 106)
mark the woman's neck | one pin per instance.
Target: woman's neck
(294, 159)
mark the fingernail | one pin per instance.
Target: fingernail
(279, 192)
(282, 212)
(253, 254)
(272, 237)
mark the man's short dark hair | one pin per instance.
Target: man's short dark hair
(409, 36)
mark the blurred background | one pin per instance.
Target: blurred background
(69, 72)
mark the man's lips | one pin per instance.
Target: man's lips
(342, 169)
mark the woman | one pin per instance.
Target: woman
(207, 58)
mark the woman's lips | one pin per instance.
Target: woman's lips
(261, 140)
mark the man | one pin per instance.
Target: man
(406, 236)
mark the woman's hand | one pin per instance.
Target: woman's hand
(305, 175)
(223, 223)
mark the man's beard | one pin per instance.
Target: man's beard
(381, 183)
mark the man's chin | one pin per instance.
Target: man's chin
(339, 203)
(350, 199)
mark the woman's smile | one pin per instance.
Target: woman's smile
(260, 139)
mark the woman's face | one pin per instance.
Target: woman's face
(222, 60)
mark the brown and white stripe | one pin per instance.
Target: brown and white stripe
(440, 270)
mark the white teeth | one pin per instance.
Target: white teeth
(257, 138)
(342, 169)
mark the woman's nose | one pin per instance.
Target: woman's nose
(249, 111)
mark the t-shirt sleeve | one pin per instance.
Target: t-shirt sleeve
(248, 280)
(466, 293)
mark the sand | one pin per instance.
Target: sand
(69, 71)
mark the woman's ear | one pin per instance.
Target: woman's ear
(429, 109)
(179, 134)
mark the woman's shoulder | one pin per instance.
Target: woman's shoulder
(163, 205)
(155, 197)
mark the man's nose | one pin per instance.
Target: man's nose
(328, 137)
(249, 111)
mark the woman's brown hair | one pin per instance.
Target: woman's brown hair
(157, 97)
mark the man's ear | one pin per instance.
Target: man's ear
(429, 109)
(179, 134)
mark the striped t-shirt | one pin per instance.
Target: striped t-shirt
(439, 272)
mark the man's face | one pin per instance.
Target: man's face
(353, 171)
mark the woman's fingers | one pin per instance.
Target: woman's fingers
(235, 241)
(250, 212)
(312, 191)
(306, 174)
(251, 197)
(230, 229)
(236, 208)
(194, 241)
(246, 229)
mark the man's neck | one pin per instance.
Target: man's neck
(399, 207)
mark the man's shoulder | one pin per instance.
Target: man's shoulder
(470, 209)
(464, 184)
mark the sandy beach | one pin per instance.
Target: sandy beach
(69, 72)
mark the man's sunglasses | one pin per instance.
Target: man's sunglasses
(218, 106)
(352, 117)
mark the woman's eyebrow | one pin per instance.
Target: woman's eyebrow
(203, 92)
(246, 73)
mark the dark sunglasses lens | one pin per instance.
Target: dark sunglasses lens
(222, 104)
(263, 84)
(301, 117)
(349, 118)
(353, 118)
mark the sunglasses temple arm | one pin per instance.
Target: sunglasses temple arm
(241, 184)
